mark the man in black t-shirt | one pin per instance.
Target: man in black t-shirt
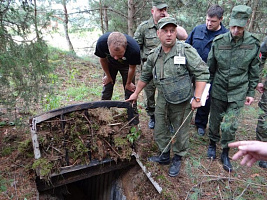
(118, 52)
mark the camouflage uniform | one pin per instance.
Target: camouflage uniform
(146, 37)
(234, 71)
(174, 87)
(261, 131)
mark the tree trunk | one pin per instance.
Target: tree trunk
(101, 17)
(106, 18)
(131, 11)
(35, 21)
(253, 16)
(65, 23)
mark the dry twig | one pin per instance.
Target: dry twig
(111, 147)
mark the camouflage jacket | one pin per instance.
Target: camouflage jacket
(146, 37)
(234, 67)
(172, 77)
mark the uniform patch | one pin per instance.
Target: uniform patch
(244, 46)
(224, 47)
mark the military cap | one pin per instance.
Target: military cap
(166, 20)
(240, 15)
(159, 4)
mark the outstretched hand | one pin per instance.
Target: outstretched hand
(251, 151)
(132, 98)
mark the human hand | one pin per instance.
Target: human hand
(260, 87)
(132, 98)
(106, 80)
(195, 105)
(249, 100)
(251, 151)
(131, 87)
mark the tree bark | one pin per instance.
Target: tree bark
(253, 16)
(65, 23)
(131, 12)
(35, 21)
(101, 17)
(106, 18)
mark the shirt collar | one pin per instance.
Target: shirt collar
(246, 34)
(151, 23)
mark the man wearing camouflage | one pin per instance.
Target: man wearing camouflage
(261, 131)
(201, 39)
(146, 37)
(234, 71)
(170, 66)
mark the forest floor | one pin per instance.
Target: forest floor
(199, 178)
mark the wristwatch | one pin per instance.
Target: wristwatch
(198, 99)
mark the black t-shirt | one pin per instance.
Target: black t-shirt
(131, 56)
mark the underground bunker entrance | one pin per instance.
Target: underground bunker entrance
(80, 144)
(101, 182)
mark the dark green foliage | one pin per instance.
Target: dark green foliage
(188, 13)
(23, 62)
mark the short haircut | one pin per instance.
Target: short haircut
(118, 40)
(215, 10)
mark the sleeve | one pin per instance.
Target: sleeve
(133, 52)
(196, 65)
(139, 37)
(212, 63)
(147, 70)
(101, 47)
(189, 39)
(253, 75)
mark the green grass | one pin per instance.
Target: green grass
(78, 93)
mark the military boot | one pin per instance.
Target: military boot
(175, 166)
(212, 150)
(163, 159)
(263, 164)
(226, 161)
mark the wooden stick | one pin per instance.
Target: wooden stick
(111, 147)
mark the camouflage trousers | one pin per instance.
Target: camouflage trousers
(261, 130)
(174, 114)
(224, 118)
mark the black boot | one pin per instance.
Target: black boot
(151, 123)
(163, 159)
(175, 166)
(263, 164)
(212, 150)
(226, 161)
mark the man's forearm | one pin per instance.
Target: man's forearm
(200, 86)
(140, 85)
(104, 65)
(131, 74)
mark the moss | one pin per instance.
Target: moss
(6, 151)
(25, 146)
(44, 167)
(120, 142)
